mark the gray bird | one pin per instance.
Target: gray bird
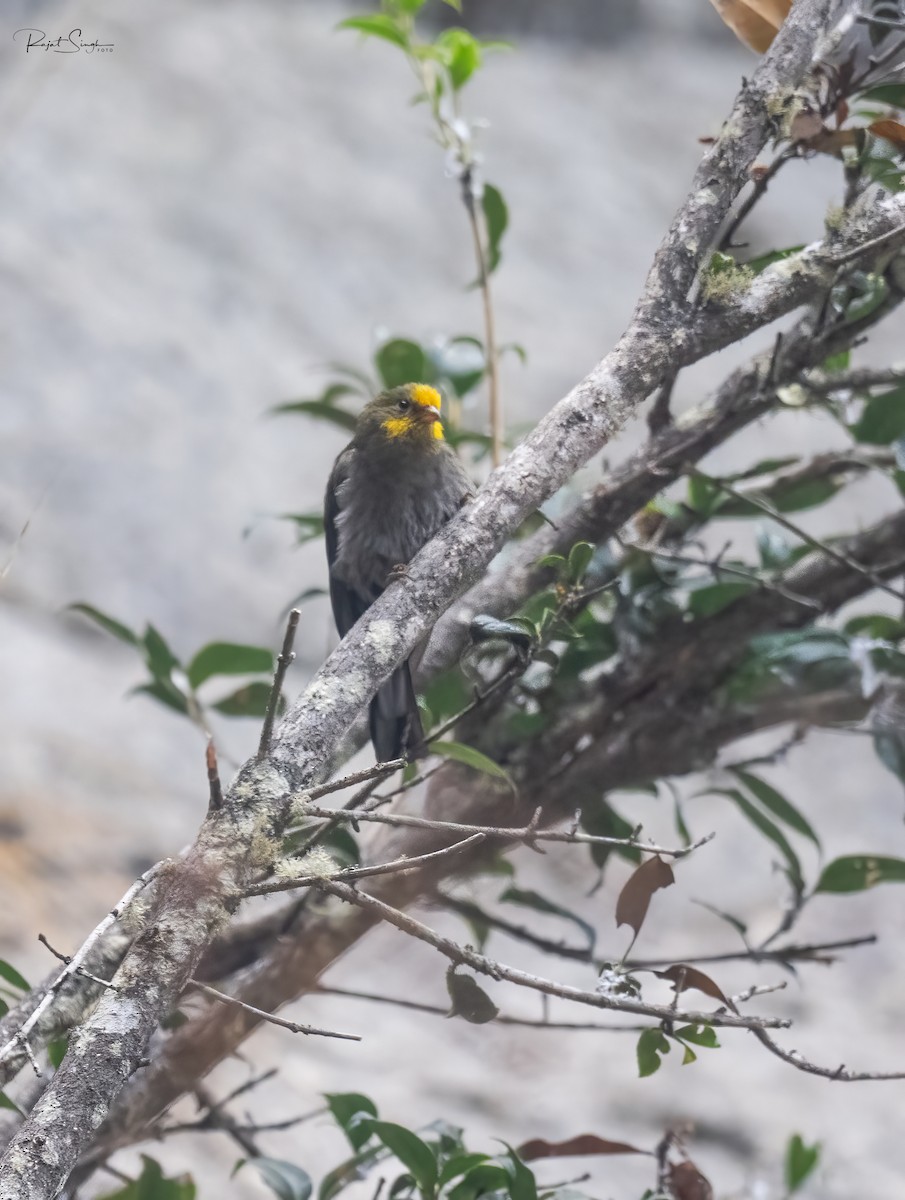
(390, 491)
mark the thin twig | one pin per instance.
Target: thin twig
(499, 971)
(840, 258)
(760, 185)
(292, 1026)
(522, 834)
(497, 429)
(818, 952)
(284, 658)
(388, 868)
(67, 959)
(838, 1074)
(838, 556)
(20, 1038)
(377, 771)
(443, 1011)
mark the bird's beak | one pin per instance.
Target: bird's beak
(428, 414)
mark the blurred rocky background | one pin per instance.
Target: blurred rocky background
(192, 227)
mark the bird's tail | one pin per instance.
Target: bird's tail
(396, 728)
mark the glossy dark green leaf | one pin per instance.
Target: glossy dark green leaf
(249, 701)
(701, 1035)
(320, 411)
(579, 560)
(228, 658)
(777, 804)
(401, 361)
(800, 1162)
(481, 1180)
(468, 999)
(459, 1164)
(471, 758)
(116, 628)
(518, 631)
(377, 25)
(858, 872)
(770, 831)
(164, 692)
(496, 216)
(528, 898)
(523, 1185)
(414, 1154)
(883, 418)
(349, 1110)
(12, 976)
(56, 1051)
(284, 1179)
(152, 1184)
(887, 93)
(652, 1045)
(877, 625)
(160, 658)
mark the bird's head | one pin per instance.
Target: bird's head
(409, 414)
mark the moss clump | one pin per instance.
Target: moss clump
(724, 279)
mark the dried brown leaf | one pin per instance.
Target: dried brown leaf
(893, 131)
(753, 22)
(634, 899)
(584, 1143)
(685, 978)
(687, 1182)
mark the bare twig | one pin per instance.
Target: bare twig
(497, 428)
(292, 1026)
(524, 833)
(839, 556)
(760, 184)
(388, 868)
(496, 970)
(841, 257)
(67, 959)
(284, 658)
(838, 1074)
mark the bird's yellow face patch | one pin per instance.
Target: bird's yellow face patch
(416, 419)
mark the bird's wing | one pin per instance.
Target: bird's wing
(348, 605)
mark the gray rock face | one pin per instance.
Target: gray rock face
(191, 227)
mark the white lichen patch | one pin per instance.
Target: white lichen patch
(119, 1016)
(382, 637)
(317, 862)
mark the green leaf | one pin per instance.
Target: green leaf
(164, 692)
(414, 1154)
(890, 748)
(5, 1102)
(107, 623)
(858, 872)
(56, 1051)
(12, 976)
(652, 1044)
(153, 1185)
(461, 54)
(579, 560)
(701, 1035)
(883, 418)
(800, 1162)
(482, 1180)
(402, 361)
(534, 900)
(471, 758)
(762, 261)
(350, 1111)
(459, 1164)
(468, 999)
(284, 1179)
(228, 658)
(160, 658)
(379, 25)
(887, 93)
(709, 600)
(320, 410)
(496, 216)
(778, 805)
(770, 831)
(880, 626)
(308, 526)
(523, 1185)
(600, 819)
(249, 701)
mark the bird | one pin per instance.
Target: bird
(391, 490)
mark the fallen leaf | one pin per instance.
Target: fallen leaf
(634, 899)
(687, 1182)
(685, 978)
(584, 1143)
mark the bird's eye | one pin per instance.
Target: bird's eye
(404, 404)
